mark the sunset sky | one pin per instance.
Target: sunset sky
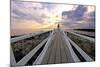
(27, 17)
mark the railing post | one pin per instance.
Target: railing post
(12, 58)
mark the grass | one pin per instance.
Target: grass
(85, 45)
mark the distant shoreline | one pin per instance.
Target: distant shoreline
(89, 30)
(15, 36)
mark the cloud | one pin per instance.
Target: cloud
(27, 11)
(39, 12)
(79, 18)
(91, 19)
(49, 6)
(44, 13)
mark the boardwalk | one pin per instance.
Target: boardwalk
(56, 52)
(58, 48)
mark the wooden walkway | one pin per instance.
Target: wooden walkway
(57, 49)
(56, 52)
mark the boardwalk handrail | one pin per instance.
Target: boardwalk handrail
(42, 54)
(25, 59)
(84, 55)
(74, 56)
(25, 36)
(12, 57)
(85, 37)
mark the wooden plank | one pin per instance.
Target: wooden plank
(52, 54)
(63, 53)
(58, 41)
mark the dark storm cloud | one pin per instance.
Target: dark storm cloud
(76, 14)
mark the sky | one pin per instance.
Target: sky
(28, 17)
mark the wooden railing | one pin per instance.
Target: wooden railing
(68, 42)
(73, 57)
(26, 58)
(84, 54)
(85, 37)
(25, 36)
